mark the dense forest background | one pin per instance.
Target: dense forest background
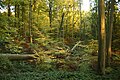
(57, 40)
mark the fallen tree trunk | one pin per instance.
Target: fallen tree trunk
(19, 56)
(75, 46)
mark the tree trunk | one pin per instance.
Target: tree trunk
(101, 38)
(23, 17)
(9, 13)
(61, 25)
(80, 19)
(30, 21)
(109, 34)
(50, 12)
(15, 15)
(18, 16)
(107, 31)
(19, 56)
(73, 19)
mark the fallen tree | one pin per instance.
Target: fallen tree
(75, 46)
(20, 56)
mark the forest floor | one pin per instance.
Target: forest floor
(84, 71)
(58, 64)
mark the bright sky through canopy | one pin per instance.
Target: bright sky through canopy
(86, 5)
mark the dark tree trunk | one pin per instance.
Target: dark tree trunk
(61, 25)
(50, 12)
(9, 13)
(30, 21)
(18, 16)
(73, 25)
(23, 17)
(109, 34)
(15, 15)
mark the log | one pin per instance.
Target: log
(20, 56)
(75, 46)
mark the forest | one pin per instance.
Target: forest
(59, 40)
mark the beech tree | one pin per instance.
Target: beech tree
(109, 33)
(101, 38)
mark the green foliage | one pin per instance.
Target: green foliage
(93, 46)
(55, 62)
(115, 57)
(116, 33)
(44, 67)
(14, 48)
(26, 71)
(1, 4)
(108, 70)
(5, 65)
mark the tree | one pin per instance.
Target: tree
(73, 19)
(102, 37)
(116, 28)
(61, 29)
(23, 17)
(30, 21)
(50, 12)
(109, 33)
(94, 17)
(9, 13)
(80, 3)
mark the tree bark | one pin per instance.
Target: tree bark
(9, 13)
(61, 25)
(101, 38)
(80, 24)
(18, 15)
(73, 19)
(30, 21)
(23, 17)
(50, 12)
(109, 34)
(15, 15)
(19, 56)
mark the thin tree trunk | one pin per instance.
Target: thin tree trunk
(50, 12)
(80, 20)
(30, 21)
(15, 15)
(84, 36)
(61, 25)
(73, 20)
(23, 16)
(109, 40)
(9, 13)
(101, 38)
(107, 31)
(66, 28)
(18, 16)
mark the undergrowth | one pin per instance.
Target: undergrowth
(58, 64)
